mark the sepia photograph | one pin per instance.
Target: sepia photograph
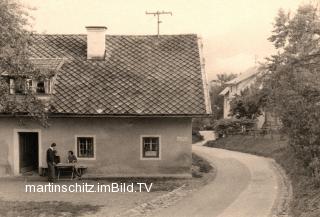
(159, 108)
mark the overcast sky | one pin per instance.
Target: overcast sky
(233, 31)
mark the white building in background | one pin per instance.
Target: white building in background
(235, 86)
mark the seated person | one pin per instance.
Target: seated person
(73, 159)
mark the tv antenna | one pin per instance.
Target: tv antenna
(158, 13)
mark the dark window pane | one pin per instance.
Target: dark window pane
(85, 147)
(40, 87)
(150, 147)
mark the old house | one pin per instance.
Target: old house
(235, 86)
(268, 119)
(123, 104)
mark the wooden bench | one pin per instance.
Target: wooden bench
(44, 170)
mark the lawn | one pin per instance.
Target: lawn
(306, 197)
(15, 202)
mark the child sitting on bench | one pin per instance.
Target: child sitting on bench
(73, 159)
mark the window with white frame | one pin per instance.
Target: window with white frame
(85, 147)
(150, 147)
(23, 85)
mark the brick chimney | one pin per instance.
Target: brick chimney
(96, 45)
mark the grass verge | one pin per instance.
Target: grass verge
(201, 170)
(306, 197)
(48, 209)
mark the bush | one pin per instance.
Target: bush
(225, 127)
(196, 136)
(200, 166)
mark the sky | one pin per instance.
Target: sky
(234, 32)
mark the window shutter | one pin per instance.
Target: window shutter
(34, 86)
(29, 85)
(11, 86)
(47, 86)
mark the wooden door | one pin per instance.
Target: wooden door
(29, 149)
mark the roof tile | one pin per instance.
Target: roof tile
(142, 75)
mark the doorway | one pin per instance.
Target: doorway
(28, 151)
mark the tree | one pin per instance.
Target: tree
(293, 80)
(251, 102)
(15, 61)
(225, 77)
(216, 102)
(215, 89)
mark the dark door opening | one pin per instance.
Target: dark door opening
(29, 151)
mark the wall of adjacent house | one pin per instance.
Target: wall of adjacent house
(117, 144)
(226, 106)
(236, 89)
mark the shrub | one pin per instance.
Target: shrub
(224, 127)
(196, 136)
(200, 166)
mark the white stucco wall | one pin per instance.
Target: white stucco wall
(118, 144)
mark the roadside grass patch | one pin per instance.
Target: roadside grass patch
(201, 171)
(306, 196)
(261, 145)
(45, 209)
(200, 166)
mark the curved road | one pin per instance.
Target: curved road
(245, 186)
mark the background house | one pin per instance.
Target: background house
(235, 86)
(123, 104)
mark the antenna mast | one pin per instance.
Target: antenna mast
(158, 13)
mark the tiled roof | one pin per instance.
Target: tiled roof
(141, 75)
(53, 64)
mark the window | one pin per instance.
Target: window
(23, 86)
(85, 147)
(151, 147)
(40, 87)
(19, 86)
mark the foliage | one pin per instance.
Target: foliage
(225, 77)
(225, 127)
(196, 137)
(215, 98)
(15, 62)
(293, 78)
(203, 165)
(250, 102)
(216, 102)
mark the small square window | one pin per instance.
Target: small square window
(150, 147)
(85, 147)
